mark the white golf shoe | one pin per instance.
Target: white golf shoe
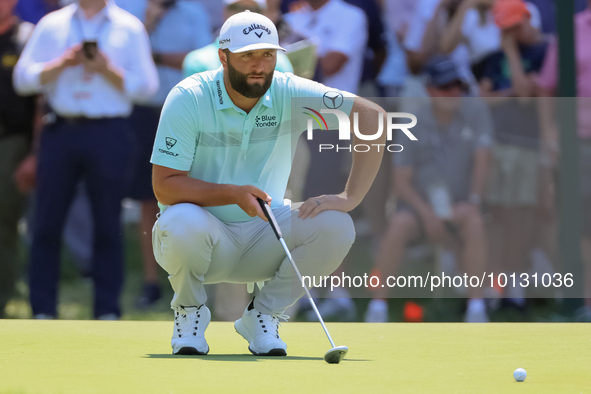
(188, 337)
(261, 332)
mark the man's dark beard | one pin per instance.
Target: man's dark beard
(239, 83)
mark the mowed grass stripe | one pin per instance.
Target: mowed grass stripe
(135, 357)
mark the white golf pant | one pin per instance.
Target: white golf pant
(196, 248)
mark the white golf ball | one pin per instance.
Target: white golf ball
(519, 374)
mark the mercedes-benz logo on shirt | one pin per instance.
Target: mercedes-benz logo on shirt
(333, 100)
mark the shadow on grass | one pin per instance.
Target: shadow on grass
(240, 357)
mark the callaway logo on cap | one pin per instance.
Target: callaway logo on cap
(249, 31)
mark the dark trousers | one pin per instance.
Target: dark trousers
(96, 151)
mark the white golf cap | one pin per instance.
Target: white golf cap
(261, 3)
(249, 31)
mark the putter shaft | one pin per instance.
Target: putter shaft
(275, 226)
(307, 291)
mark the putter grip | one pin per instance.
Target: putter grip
(270, 217)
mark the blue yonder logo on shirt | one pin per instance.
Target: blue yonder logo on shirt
(265, 121)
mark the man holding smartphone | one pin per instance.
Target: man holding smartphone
(90, 59)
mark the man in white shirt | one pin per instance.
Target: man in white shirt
(90, 59)
(340, 31)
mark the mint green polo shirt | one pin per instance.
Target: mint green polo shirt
(201, 131)
(207, 58)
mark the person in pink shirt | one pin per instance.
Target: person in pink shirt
(547, 82)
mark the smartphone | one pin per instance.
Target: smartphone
(89, 48)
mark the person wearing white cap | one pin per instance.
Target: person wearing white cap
(227, 295)
(227, 137)
(206, 58)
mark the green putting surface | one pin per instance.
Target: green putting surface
(135, 357)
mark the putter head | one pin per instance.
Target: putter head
(336, 354)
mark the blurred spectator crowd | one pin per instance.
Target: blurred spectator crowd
(83, 83)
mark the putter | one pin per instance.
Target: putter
(337, 353)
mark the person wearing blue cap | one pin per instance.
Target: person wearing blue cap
(439, 180)
(227, 137)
